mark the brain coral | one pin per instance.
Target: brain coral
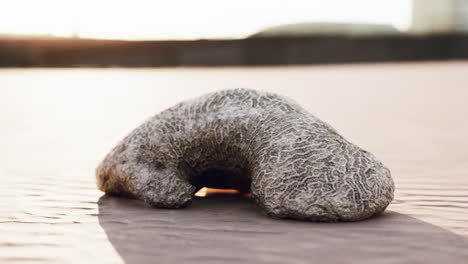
(294, 165)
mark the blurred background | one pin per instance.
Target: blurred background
(144, 33)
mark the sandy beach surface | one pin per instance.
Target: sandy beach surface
(57, 124)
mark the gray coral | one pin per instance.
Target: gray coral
(295, 165)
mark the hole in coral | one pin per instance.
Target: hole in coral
(222, 181)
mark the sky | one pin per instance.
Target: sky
(179, 19)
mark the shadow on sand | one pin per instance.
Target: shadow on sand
(230, 228)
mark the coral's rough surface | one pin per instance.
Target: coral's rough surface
(295, 165)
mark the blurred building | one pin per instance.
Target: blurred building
(440, 16)
(327, 29)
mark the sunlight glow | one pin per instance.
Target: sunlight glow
(203, 192)
(178, 19)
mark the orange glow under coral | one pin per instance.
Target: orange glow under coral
(203, 192)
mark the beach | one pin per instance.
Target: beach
(58, 124)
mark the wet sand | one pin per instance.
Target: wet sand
(58, 124)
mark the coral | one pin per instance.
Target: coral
(294, 165)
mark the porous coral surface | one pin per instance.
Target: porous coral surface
(294, 165)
